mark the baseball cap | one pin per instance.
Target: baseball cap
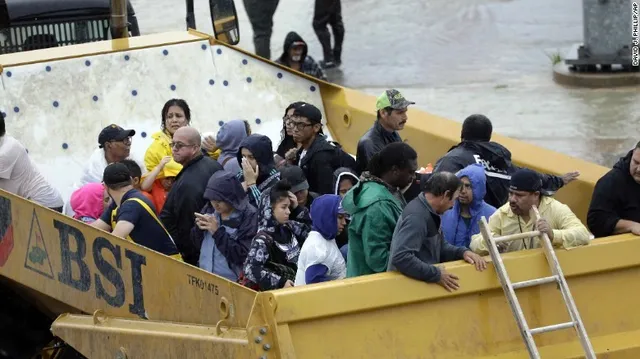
(307, 110)
(295, 176)
(113, 133)
(116, 173)
(392, 98)
(526, 180)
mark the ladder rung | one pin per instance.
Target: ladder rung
(534, 282)
(513, 237)
(550, 328)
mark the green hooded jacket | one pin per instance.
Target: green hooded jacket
(374, 213)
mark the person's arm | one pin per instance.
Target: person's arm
(478, 244)
(127, 217)
(301, 214)
(407, 242)
(255, 270)
(123, 229)
(316, 273)
(376, 238)
(149, 178)
(104, 222)
(154, 155)
(572, 232)
(449, 252)
(448, 164)
(235, 251)
(603, 219)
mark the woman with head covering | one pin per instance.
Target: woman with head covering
(228, 140)
(88, 202)
(225, 226)
(258, 172)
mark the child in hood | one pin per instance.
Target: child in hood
(88, 202)
(320, 259)
(273, 256)
(157, 183)
(225, 226)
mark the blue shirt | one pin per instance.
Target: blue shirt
(147, 229)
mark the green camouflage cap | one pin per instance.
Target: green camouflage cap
(394, 99)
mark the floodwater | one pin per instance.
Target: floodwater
(455, 58)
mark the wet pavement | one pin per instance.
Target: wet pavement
(455, 58)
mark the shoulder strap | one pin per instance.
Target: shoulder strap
(151, 212)
(226, 160)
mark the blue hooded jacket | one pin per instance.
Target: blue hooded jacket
(229, 137)
(455, 229)
(324, 215)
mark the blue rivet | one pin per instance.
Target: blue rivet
(26, 149)
(258, 121)
(55, 104)
(279, 75)
(221, 123)
(204, 47)
(127, 57)
(87, 63)
(48, 68)
(249, 79)
(165, 52)
(211, 82)
(225, 82)
(65, 146)
(244, 61)
(95, 98)
(173, 87)
(16, 109)
(9, 74)
(219, 51)
(134, 93)
(312, 88)
(143, 134)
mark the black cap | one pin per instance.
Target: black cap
(116, 173)
(113, 133)
(307, 110)
(296, 178)
(526, 180)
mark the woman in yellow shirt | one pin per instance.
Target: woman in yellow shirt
(175, 114)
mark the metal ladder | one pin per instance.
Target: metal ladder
(557, 277)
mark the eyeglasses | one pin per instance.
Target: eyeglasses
(179, 145)
(299, 125)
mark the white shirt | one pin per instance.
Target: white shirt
(317, 250)
(20, 176)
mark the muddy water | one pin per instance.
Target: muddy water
(455, 58)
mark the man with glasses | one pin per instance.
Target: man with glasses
(187, 194)
(316, 156)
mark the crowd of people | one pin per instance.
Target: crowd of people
(309, 212)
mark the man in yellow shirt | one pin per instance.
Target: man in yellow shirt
(557, 220)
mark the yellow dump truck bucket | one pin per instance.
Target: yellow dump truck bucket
(117, 299)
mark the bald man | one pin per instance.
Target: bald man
(186, 195)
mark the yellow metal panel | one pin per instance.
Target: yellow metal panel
(121, 338)
(97, 48)
(88, 269)
(390, 316)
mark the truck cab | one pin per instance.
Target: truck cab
(38, 24)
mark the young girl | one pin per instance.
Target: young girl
(273, 256)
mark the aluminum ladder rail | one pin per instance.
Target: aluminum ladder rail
(557, 277)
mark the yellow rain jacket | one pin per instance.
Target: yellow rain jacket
(568, 231)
